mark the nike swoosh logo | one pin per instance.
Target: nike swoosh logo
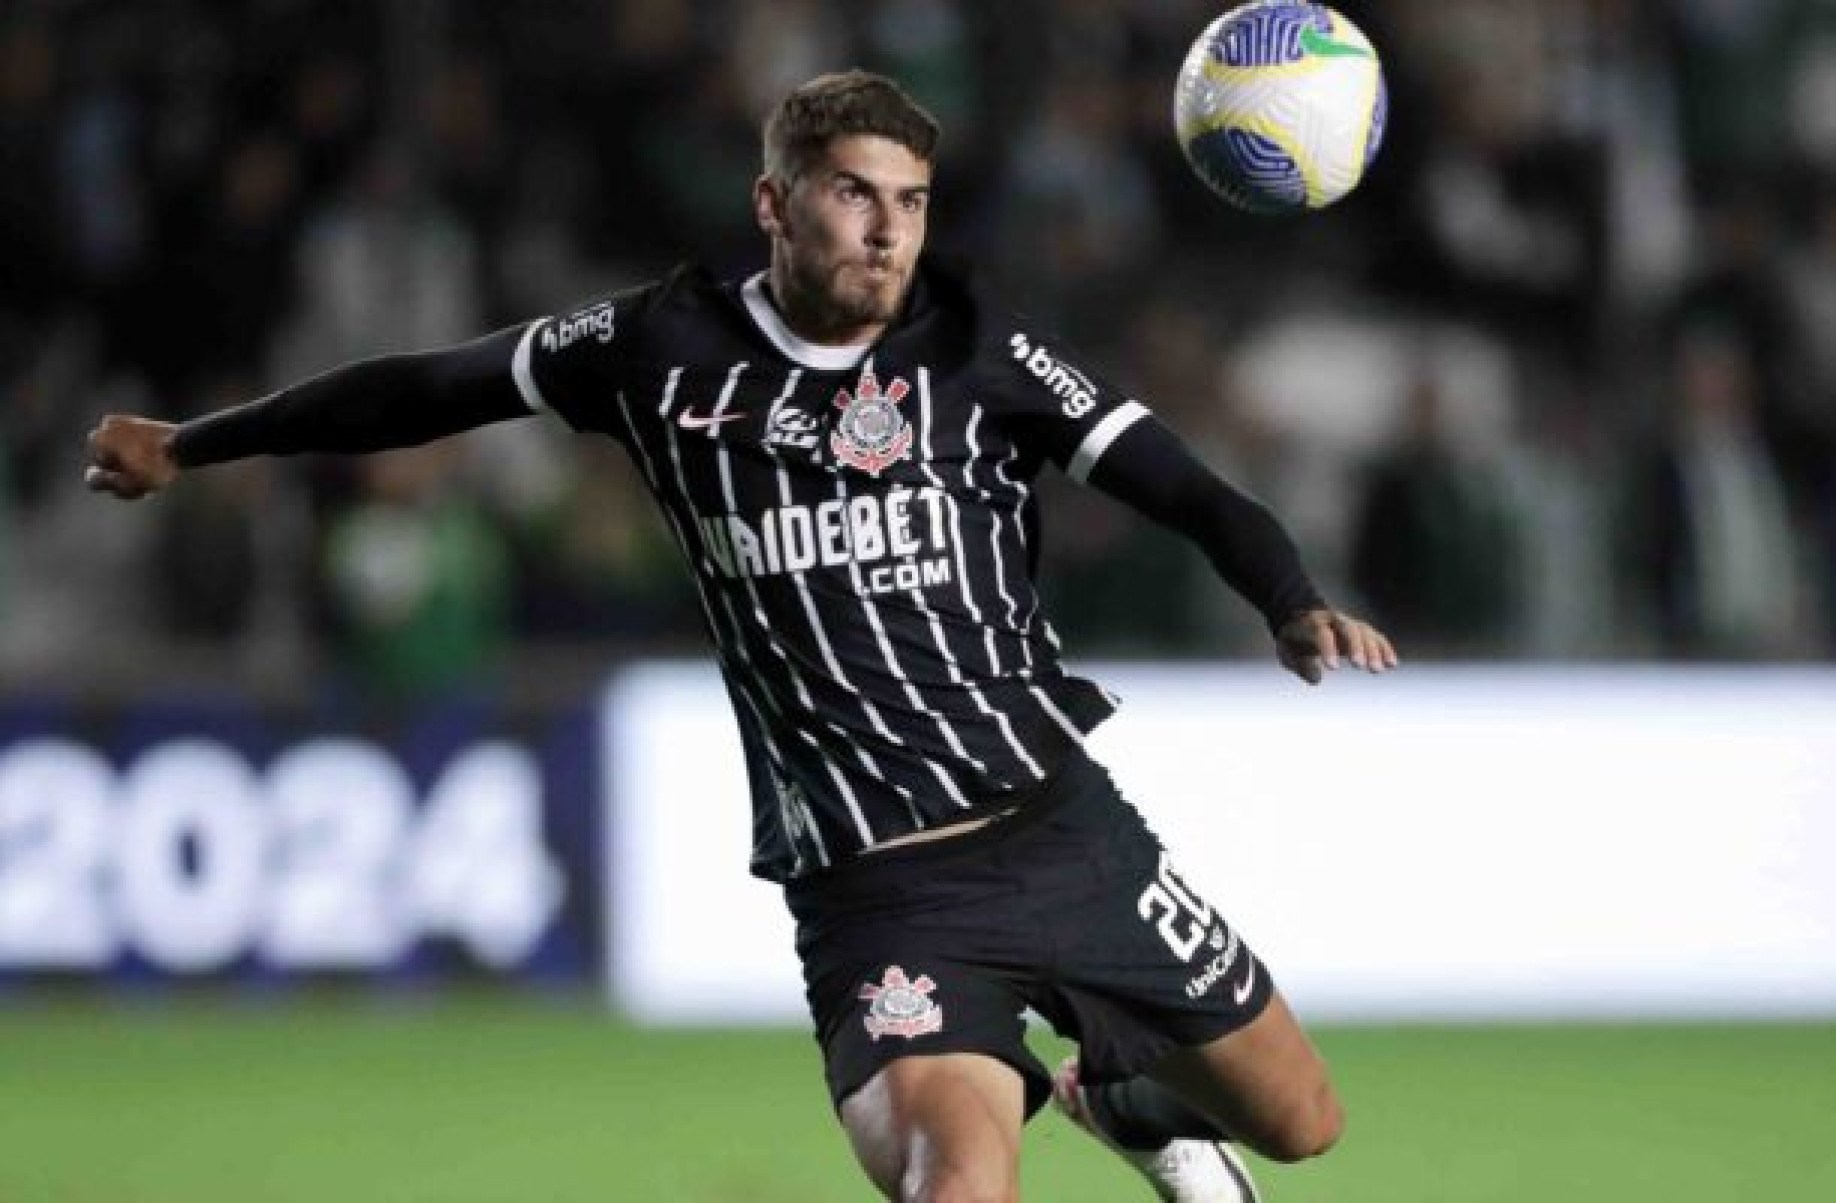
(1241, 993)
(1316, 43)
(690, 420)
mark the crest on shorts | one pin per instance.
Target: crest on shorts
(871, 433)
(899, 1006)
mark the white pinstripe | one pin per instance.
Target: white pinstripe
(917, 595)
(772, 750)
(822, 638)
(862, 829)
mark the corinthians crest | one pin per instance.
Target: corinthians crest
(871, 432)
(899, 1006)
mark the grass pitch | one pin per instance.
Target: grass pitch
(492, 1102)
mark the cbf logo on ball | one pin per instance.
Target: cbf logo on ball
(871, 433)
(1280, 106)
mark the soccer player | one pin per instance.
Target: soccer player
(844, 447)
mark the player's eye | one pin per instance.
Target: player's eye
(914, 202)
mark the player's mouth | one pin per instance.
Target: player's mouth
(872, 287)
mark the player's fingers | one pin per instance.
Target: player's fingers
(1326, 639)
(1351, 636)
(1379, 655)
(1307, 668)
(101, 454)
(1368, 647)
(1294, 655)
(1371, 647)
(101, 480)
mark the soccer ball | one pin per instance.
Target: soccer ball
(1280, 106)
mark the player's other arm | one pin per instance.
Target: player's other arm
(366, 406)
(1150, 468)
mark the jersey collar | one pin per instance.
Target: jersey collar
(770, 322)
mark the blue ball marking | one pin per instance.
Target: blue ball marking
(1267, 35)
(1379, 118)
(1250, 170)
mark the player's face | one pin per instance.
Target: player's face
(846, 235)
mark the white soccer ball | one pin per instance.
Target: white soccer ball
(1280, 106)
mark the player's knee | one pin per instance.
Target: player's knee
(1308, 1129)
(961, 1184)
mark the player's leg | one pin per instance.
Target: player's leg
(1264, 1085)
(940, 1129)
(924, 1051)
(1184, 1042)
(1183, 1155)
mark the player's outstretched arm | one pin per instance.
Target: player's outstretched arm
(370, 405)
(1152, 470)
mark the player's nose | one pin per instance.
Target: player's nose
(886, 228)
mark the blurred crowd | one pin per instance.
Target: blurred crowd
(1558, 381)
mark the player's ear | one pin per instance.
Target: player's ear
(770, 200)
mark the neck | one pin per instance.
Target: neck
(809, 319)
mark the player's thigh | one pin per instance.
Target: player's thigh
(940, 1129)
(1265, 1083)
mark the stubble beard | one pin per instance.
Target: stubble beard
(835, 303)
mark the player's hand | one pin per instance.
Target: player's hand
(1316, 640)
(130, 457)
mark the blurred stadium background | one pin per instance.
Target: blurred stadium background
(315, 872)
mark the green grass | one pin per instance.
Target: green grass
(491, 1102)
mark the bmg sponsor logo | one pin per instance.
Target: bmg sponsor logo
(1070, 386)
(596, 320)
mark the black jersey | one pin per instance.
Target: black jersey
(863, 530)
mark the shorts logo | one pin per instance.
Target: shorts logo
(1241, 992)
(871, 433)
(899, 1006)
(1218, 967)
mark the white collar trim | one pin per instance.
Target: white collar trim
(770, 322)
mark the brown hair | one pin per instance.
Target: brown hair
(838, 104)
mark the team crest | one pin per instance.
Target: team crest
(899, 1006)
(871, 433)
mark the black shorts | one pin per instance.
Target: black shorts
(1068, 906)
